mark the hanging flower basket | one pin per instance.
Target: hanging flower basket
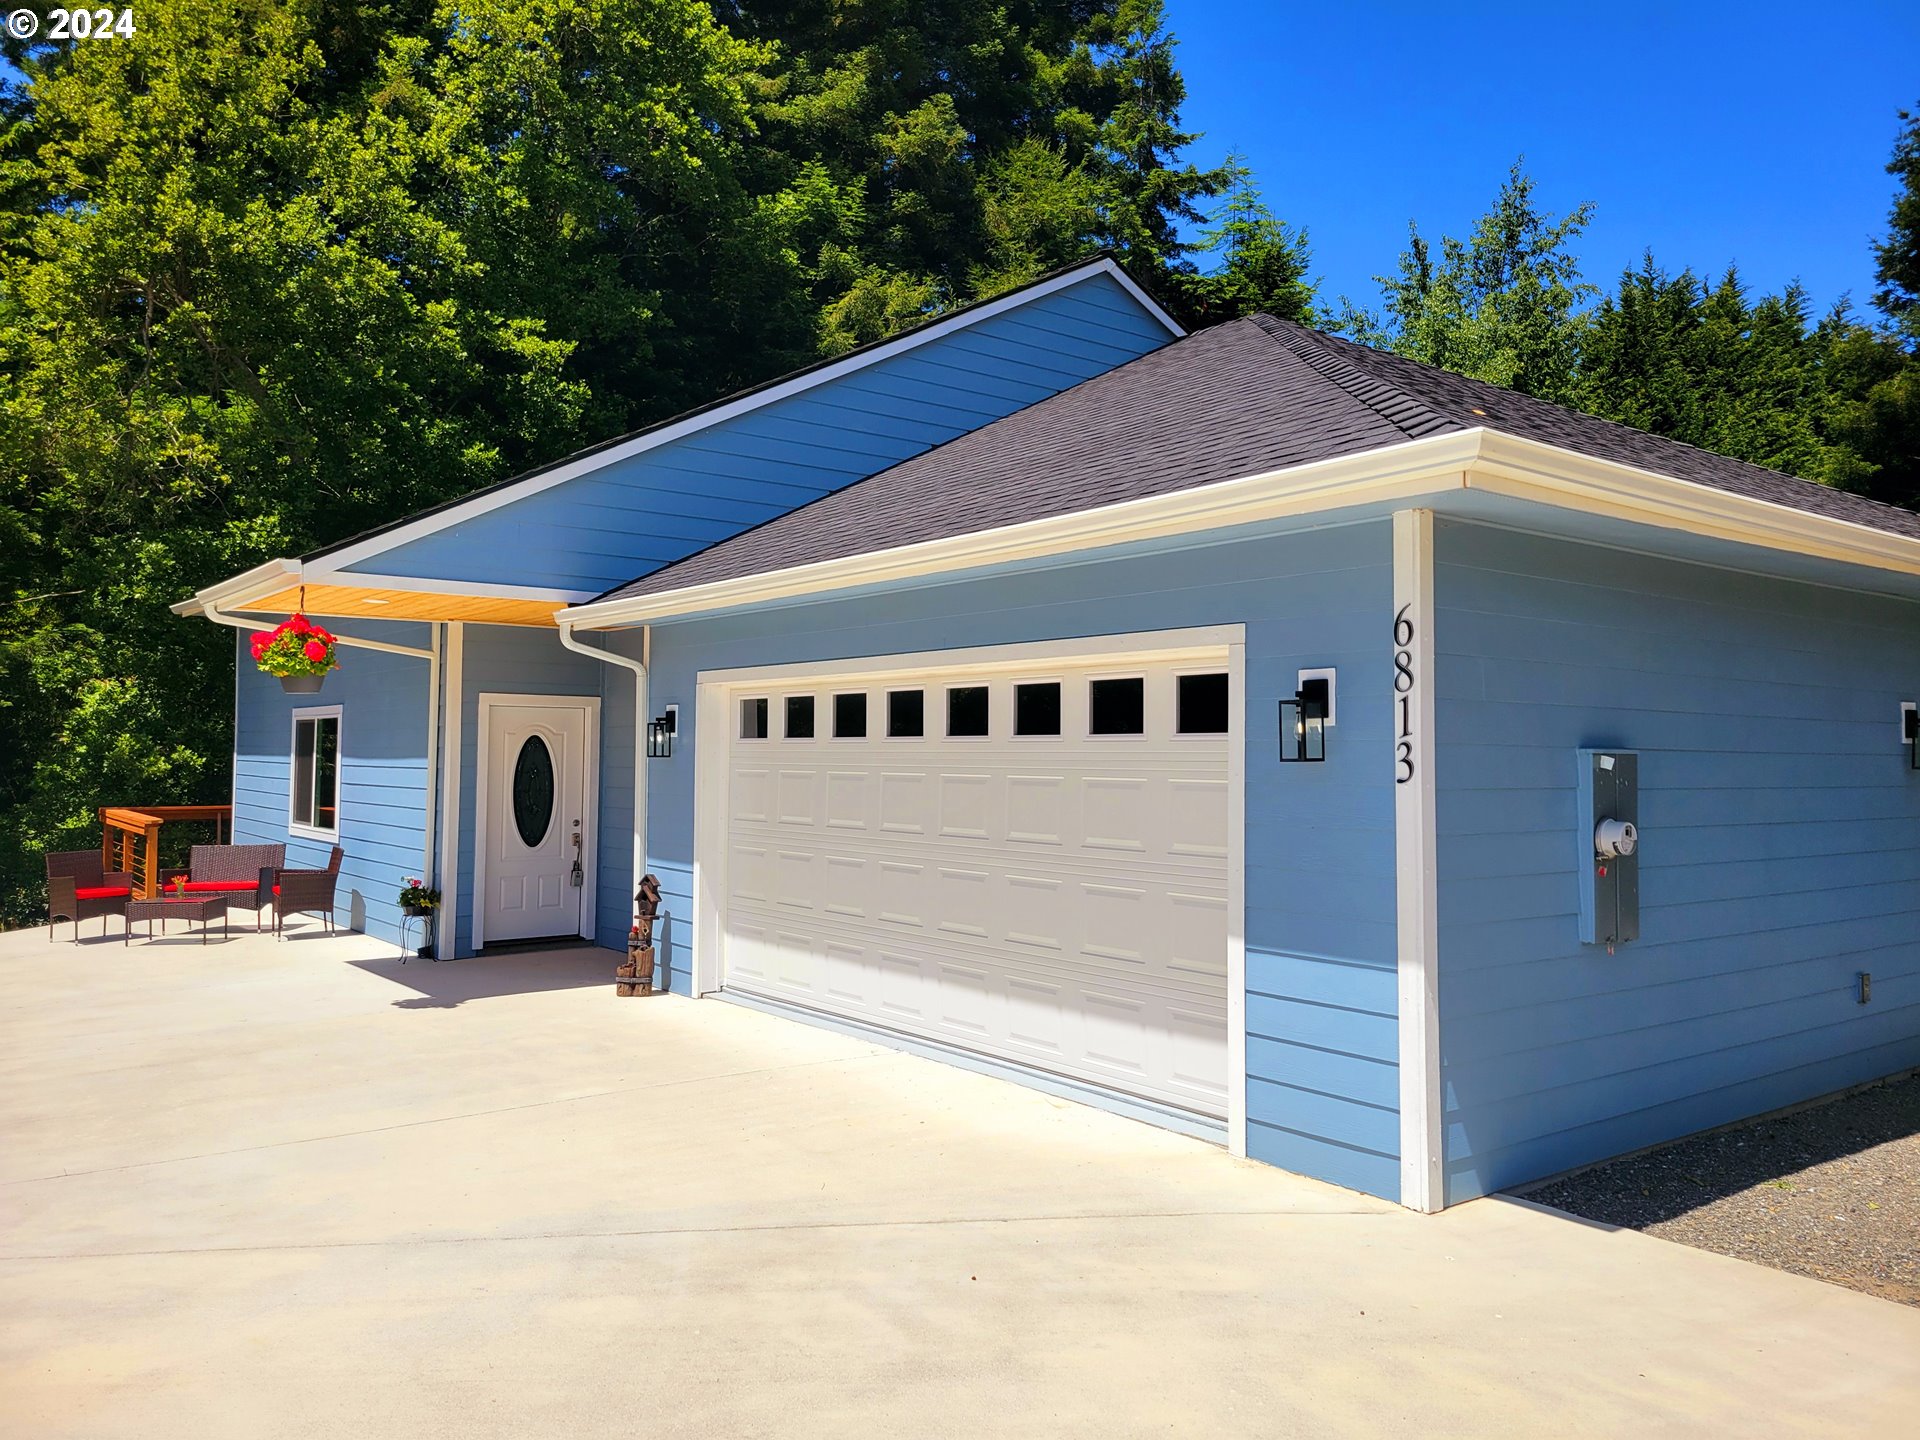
(299, 653)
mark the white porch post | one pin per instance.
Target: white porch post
(452, 668)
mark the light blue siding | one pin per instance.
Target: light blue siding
(383, 770)
(1779, 850)
(620, 521)
(1322, 1047)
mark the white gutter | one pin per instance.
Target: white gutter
(639, 669)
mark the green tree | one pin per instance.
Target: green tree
(1501, 305)
(1260, 263)
(278, 273)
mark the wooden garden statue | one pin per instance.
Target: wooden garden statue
(635, 977)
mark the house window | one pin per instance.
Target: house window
(314, 794)
(1117, 707)
(799, 717)
(753, 718)
(906, 713)
(1036, 708)
(967, 711)
(850, 716)
(1203, 705)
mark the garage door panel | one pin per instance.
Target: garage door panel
(751, 793)
(849, 886)
(848, 800)
(1035, 805)
(904, 803)
(1114, 813)
(1056, 900)
(966, 805)
(798, 793)
(1196, 818)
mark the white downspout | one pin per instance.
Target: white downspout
(639, 669)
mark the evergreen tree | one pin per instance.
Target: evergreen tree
(1261, 263)
(1499, 306)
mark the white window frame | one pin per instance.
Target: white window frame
(295, 826)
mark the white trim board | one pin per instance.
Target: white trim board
(484, 704)
(354, 553)
(1433, 470)
(1415, 853)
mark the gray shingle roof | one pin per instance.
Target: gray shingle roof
(1249, 396)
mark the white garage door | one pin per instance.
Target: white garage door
(1022, 858)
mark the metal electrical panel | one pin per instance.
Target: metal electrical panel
(1609, 846)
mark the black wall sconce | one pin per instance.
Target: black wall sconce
(1303, 723)
(1910, 721)
(660, 732)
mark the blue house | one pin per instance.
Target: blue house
(1386, 775)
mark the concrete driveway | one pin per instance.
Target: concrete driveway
(302, 1190)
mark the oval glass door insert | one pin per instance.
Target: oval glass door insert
(533, 791)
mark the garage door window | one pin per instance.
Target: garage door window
(1203, 705)
(799, 717)
(753, 718)
(850, 716)
(1117, 707)
(1036, 708)
(967, 712)
(906, 714)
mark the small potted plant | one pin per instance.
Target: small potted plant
(179, 884)
(298, 652)
(418, 898)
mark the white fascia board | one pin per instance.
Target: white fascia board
(355, 553)
(1551, 475)
(260, 580)
(1394, 472)
(276, 575)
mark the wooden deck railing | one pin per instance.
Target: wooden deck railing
(130, 838)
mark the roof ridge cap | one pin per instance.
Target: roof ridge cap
(1368, 390)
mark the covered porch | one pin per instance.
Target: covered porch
(414, 778)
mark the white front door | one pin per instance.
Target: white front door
(533, 820)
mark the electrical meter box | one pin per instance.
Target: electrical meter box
(1609, 842)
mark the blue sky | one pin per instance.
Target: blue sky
(1711, 132)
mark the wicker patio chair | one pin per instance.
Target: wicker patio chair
(79, 889)
(243, 873)
(306, 892)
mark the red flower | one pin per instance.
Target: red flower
(261, 639)
(316, 651)
(298, 624)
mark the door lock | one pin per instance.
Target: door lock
(578, 877)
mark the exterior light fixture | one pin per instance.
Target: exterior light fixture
(660, 732)
(1910, 720)
(1303, 723)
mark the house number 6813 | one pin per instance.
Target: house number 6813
(1403, 695)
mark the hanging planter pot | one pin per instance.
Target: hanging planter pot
(296, 652)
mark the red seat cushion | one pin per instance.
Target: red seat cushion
(101, 892)
(201, 887)
(276, 889)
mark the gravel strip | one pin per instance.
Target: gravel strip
(1832, 1192)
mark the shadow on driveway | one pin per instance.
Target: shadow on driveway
(444, 985)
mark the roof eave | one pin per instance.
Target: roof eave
(1489, 461)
